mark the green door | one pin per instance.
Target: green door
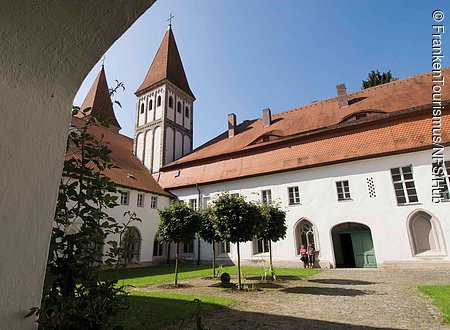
(363, 250)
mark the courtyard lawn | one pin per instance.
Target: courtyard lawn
(155, 310)
(441, 298)
(146, 276)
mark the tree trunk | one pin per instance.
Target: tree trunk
(270, 258)
(239, 266)
(214, 259)
(176, 263)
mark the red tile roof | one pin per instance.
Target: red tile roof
(166, 65)
(317, 134)
(99, 100)
(129, 171)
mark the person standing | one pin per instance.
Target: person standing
(304, 256)
(311, 255)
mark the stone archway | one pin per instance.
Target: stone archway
(353, 246)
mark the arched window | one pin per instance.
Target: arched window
(170, 102)
(158, 103)
(305, 233)
(186, 112)
(158, 248)
(425, 235)
(132, 244)
(179, 107)
(150, 105)
(142, 108)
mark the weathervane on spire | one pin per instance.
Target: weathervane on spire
(170, 19)
(103, 60)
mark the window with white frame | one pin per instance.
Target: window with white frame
(224, 247)
(343, 190)
(124, 197)
(193, 203)
(266, 196)
(154, 202)
(445, 191)
(188, 248)
(405, 189)
(140, 200)
(262, 246)
(294, 195)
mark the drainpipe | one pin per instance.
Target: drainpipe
(199, 207)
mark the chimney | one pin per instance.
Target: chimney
(231, 124)
(267, 117)
(342, 95)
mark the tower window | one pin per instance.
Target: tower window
(142, 108)
(158, 103)
(179, 107)
(150, 105)
(170, 102)
(186, 112)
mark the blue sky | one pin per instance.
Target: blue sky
(243, 56)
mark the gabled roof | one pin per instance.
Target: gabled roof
(128, 171)
(394, 96)
(321, 133)
(99, 100)
(167, 65)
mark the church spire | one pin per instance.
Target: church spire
(99, 100)
(166, 65)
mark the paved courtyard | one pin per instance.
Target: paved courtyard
(336, 299)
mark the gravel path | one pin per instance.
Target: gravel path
(333, 299)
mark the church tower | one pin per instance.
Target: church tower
(164, 109)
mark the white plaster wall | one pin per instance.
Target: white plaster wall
(159, 109)
(169, 145)
(37, 87)
(178, 145)
(150, 109)
(178, 115)
(156, 149)
(170, 111)
(187, 145)
(319, 204)
(148, 148)
(187, 121)
(141, 112)
(140, 146)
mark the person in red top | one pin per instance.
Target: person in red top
(304, 256)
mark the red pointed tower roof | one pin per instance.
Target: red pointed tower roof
(99, 100)
(167, 65)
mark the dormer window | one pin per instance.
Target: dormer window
(158, 103)
(170, 102)
(179, 107)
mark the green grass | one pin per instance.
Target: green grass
(155, 310)
(441, 298)
(146, 276)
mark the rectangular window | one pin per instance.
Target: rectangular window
(405, 189)
(140, 200)
(446, 184)
(124, 197)
(188, 248)
(262, 246)
(343, 190)
(235, 195)
(224, 247)
(193, 204)
(266, 196)
(154, 202)
(294, 195)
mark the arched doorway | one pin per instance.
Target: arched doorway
(353, 246)
(132, 243)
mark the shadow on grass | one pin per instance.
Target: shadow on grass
(234, 319)
(130, 273)
(156, 312)
(341, 281)
(326, 291)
